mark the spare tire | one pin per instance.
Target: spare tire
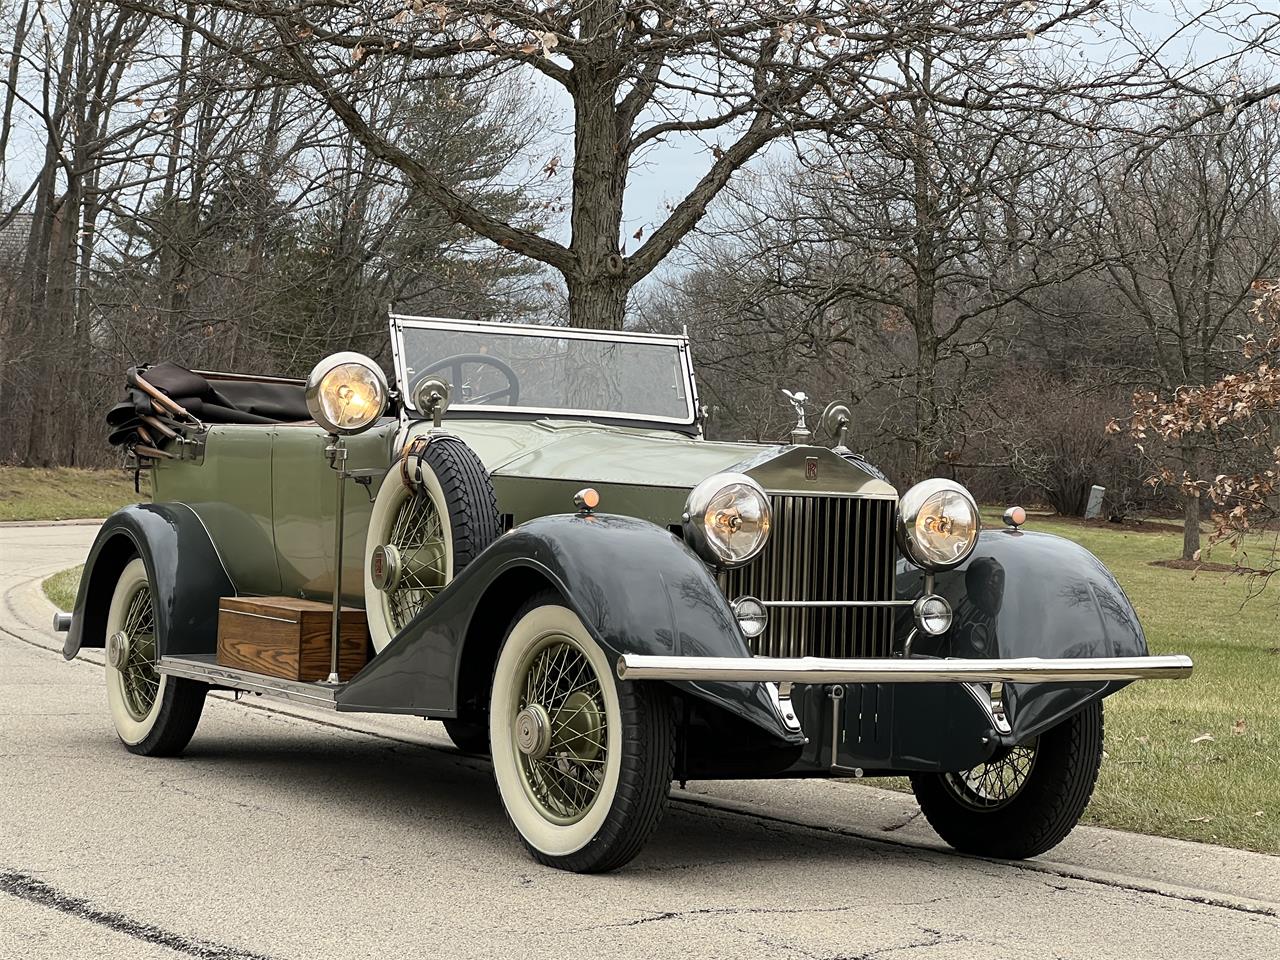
(434, 513)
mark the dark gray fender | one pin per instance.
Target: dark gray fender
(635, 586)
(1027, 594)
(186, 575)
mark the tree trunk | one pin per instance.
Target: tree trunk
(1191, 507)
(598, 302)
(597, 282)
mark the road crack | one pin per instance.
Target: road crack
(26, 887)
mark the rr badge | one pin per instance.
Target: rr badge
(811, 468)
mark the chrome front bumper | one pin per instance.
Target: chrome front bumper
(633, 666)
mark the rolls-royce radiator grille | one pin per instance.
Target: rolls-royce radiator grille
(823, 548)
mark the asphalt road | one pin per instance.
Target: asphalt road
(283, 834)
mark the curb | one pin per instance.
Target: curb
(75, 522)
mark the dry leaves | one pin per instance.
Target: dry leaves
(1236, 410)
(1238, 728)
(1203, 738)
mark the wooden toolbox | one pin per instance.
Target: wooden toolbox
(288, 637)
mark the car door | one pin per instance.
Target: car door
(304, 496)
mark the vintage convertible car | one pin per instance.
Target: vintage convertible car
(553, 561)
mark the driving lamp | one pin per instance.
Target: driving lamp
(751, 615)
(726, 519)
(346, 393)
(937, 524)
(933, 615)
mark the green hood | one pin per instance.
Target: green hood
(641, 472)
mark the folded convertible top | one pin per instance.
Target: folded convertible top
(212, 401)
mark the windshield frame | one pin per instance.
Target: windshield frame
(400, 322)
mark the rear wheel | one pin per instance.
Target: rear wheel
(1023, 801)
(583, 762)
(154, 715)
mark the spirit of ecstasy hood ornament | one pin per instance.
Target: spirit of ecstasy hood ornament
(800, 432)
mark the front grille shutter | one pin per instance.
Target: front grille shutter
(823, 548)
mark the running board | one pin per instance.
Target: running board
(206, 669)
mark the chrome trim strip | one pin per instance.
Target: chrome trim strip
(249, 377)
(539, 329)
(399, 322)
(837, 603)
(207, 671)
(633, 666)
(992, 703)
(212, 542)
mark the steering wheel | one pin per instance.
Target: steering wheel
(455, 365)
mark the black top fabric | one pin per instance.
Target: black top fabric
(220, 401)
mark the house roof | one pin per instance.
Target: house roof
(13, 237)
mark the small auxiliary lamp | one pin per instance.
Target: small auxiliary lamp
(346, 394)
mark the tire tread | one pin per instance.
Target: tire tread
(644, 779)
(1047, 808)
(469, 494)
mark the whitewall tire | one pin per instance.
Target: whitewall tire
(153, 714)
(583, 763)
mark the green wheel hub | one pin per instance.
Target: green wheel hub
(560, 727)
(414, 559)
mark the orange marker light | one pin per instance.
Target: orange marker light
(1015, 517)
(587, 499)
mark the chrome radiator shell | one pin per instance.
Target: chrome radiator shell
(823, 549)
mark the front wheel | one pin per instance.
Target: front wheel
(583, 763)
(1023, 801)
(154, 715)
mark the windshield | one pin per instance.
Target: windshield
(505, 367)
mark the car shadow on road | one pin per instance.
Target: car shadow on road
(403, 788)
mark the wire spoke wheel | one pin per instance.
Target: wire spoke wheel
(991, 785)
(419, 538)
(154, 715)
(561, 730)
(434, 513)
(139, 679)
(583, 762)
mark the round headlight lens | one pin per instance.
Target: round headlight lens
(726, 519)
(346, 393)
(937, 524)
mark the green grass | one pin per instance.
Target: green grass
(1161, 773)
(61, 588)
(64, 493)
(1199, 758)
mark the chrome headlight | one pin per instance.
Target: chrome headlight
(346, 393)
(937, 524)
(726, 519)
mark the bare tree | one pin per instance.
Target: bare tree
(1238, 411)
(735, 76)
(173, 201)
(1185, 233)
